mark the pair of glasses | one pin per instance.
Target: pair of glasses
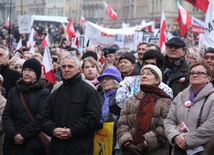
(174, 46)
(209, 57)
(197, 73)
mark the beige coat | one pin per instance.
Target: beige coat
(155, 138)
(2, 105)
(179, 112)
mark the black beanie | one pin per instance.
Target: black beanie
(128, 56)
(89, 54)
(35, 65)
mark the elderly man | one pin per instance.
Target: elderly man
(209, 59)
(176, 69)
(72, 112)
(10, 76)
(109, 54)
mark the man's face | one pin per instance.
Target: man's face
(3, 57)
(174, 52)
(69, 68)
(116, 62)
(110, 58)
(126, 67)
(209, 59)
(141, 50)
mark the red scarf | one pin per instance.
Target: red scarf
(145, 110)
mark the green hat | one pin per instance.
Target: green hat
(109, 51)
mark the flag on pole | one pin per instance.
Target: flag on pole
(83, 21)
(110, 11)
(48, 66)
(163, 27)
(208, 40)
(8, 23)
(30, 41)
(200, 4)
(19, 45)
(70, 29)
(32, 50)
(45, 41)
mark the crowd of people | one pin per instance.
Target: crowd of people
(159, 103)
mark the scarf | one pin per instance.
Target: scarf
(107, 95)
(145, 110)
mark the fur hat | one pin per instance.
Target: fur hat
(35, 65)
(112, 72)
(155, 69)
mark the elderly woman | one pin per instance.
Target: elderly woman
(140, 126)
(22, 131)
(109, 81)
(189, 123)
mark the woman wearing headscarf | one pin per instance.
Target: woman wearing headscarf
(22, 132)
(140, 126)
(189, 125)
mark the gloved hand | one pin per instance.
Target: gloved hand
(132, 149)
(142, 147)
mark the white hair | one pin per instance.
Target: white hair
(6, 51)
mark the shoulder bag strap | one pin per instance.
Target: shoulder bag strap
(200, 114)
(24, 102)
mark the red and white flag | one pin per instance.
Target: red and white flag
(163, 27)
(31, 41)
(83, 21)
(48, 66)
(185, 21)
(200, 4)
(32, 50)
(8, 23)
(70, 29)
(45, 41)
(19, 45)
(208, 39)
(110, 11)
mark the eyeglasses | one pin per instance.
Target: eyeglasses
(175, 46)
(197, 73)
(209, 57)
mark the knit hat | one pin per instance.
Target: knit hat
(20, 62)
(155, 69)
(129, 57)
(112, 72)
(209, 50)
(89, 54)
(109, 51)
(176, 41)
(13, 59)
(33, 64)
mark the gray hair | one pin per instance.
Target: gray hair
(120, 52)
(74, 57)
(6, 51)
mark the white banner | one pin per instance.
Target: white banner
(104, 37)
(24, 22)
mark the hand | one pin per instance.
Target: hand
(62, 133)
(132, 149)
(142, 147)
(180, 141)
(18, 139)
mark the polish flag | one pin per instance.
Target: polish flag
(83, 21)
(45, 41)
(31, 41)
(32, 50)
(8, 23)
(48, 66)
(185, 21)
(70, 29)
(200, 4)
(110, 11)
(19, 45)
(163, 27)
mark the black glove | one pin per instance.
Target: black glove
(142, 147)
(132, 149)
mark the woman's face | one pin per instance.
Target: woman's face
(198, 76)
(148, 78)
(28, 75)
(107, 83)
(90, 71)
(12, 65)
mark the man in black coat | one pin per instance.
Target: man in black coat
(72, 112)
(10, 76)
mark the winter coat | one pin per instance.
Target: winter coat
(75, 105)
(179, 112)
(155, 137)
(17, 121)
(180, 79)
(10, 78)
(2, 105)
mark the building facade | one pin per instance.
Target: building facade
(7, 10)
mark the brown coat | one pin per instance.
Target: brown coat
(155, 138)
